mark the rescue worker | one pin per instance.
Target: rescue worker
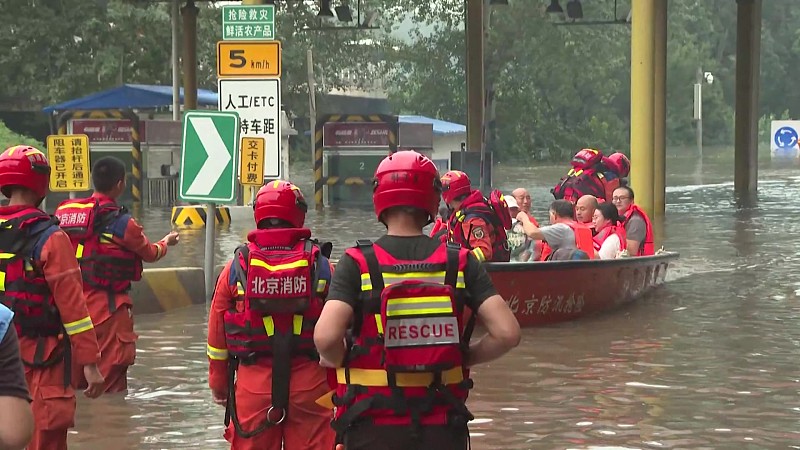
(110, 246)
(16, 417)
(439, 228)
(617, 167)
(638, 230)
(260, 330)
(584, 210)
(476, 223)
(610, 239)
(393, 323)
(42, 285)
(563, 231)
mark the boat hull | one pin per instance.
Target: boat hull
(558, 291)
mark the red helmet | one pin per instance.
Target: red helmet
(407, 178)
(26, 166)
(455, 183)
(586, 158)
(619, 163)
(280, 200)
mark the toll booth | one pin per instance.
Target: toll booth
(472, 167)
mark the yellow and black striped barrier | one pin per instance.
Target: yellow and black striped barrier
(136, 145)
(194, 216)
(170, 288)
(319, 180)
(349, 181)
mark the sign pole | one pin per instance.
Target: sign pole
(208, 265)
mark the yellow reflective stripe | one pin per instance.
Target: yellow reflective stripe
(479, 254)
(439, 304)
(271, 268)
(379, 323)
(269, 325)
(321, 285)
(79, 326)
(378, 377)
(389, 278)
(6, 255)
(76, 205)
(217, 354)
(366, 282)
(297, 324)
(2, 281)
(107, 238)
(239, 288)
(28, 266)
(79, 251)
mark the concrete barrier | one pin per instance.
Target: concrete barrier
(169, 288)
(194, 216)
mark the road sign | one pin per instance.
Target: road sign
(258, 103)
(252, 156)
(253, 22)
(248, 59)
(69, 159)
(208, 156)
(785, 138)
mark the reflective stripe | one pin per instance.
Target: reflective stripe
(2, 281)
(321, 285)
(275, 268)
(76, 205)
(107, 238)
(439, 304)
(79, 251)
(79, 326)
(428, 277)
(239, 288)
(159, 250)
(6, 255)
(379, 323)
(297, 324)
(479, 254)
(378, 377)
(217, 354)
(269, 325)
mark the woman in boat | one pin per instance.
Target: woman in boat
(610, 240)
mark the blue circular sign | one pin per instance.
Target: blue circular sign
(785, 137)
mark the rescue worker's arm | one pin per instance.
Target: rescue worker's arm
(136, 241)
(63, 276)
(478, 236)
(217, 348)
(16, 416)
(502, 327)
(530, 229)
(329, 333)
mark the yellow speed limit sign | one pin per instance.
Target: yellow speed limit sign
(248, 59)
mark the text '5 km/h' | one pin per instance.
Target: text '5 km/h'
(248, 59)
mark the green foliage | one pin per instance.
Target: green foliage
(9, 139)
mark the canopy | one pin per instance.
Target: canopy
(138, 96)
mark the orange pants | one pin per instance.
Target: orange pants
(306, 426)
(53, 407)
(117, 342)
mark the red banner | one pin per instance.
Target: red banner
(107, 130)
(355, 134)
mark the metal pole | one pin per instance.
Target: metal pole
(699, 112)
(642, 101)
(748, 63)
(312, 102)
(475, 83)
(660, 114)
(189, 13)
(208, 266)
(176, 69)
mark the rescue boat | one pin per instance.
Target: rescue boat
(547, 293)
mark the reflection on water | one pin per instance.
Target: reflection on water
(706, 361)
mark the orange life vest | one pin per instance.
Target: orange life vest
(603, 234)
(646, 248)
(583, 241)
(405, 363)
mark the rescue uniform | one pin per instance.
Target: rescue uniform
(65, 337)
(444, 427)
(469, 226)
(249, 344)
(107, 286)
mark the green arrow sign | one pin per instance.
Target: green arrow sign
(209, 156)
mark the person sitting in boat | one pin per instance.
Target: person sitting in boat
(563, 231)
(584, 210)
(610, 239)
(638, 230)
(476, 223)
(523, 199)
(521, 247)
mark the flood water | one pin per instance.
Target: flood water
(707, 361)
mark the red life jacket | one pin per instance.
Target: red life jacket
(438, 226)
(281, 277)
(476, 205)
(92, 224)
(405, 363)
(646, 248)
(603, 234)
(25, 290)
(579, 182)
(583, 241)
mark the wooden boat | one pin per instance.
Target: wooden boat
(558, 291)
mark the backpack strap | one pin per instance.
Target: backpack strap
(39, 234)
(375, 275)
(241, 257)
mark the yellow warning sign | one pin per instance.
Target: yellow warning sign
(69, 161)
(252, 156)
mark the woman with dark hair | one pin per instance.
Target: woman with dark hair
(610, 239)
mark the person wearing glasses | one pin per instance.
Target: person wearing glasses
(638, 229)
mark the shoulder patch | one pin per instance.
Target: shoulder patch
(478, 233)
